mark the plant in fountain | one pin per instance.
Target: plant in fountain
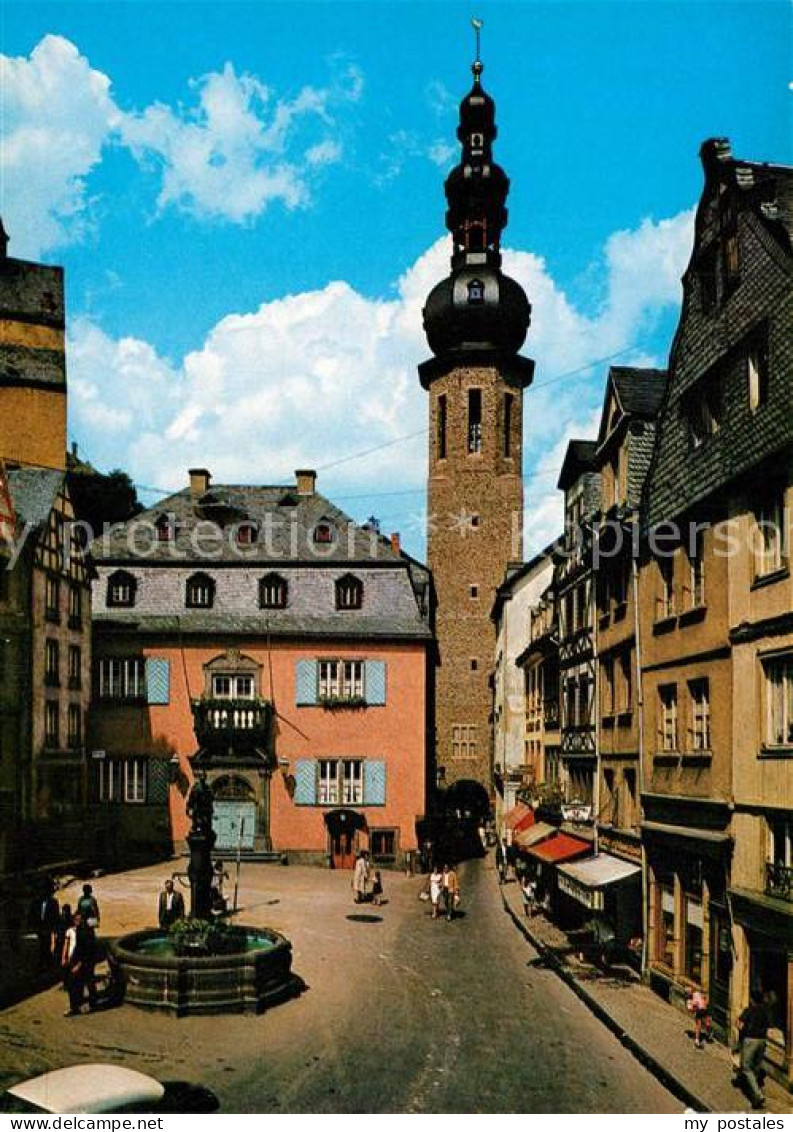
(205, 937)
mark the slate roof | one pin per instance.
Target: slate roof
(640, 391)
(579, 458)
(285, 520)
(34, 492)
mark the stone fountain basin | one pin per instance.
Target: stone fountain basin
(243, 982)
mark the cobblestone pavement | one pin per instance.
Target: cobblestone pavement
(401, 1014)
(659, 1030)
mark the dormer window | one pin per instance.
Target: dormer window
(246, 534)
(200, 592)
(349, 592)
(324, 532)
(273, 592)
(476, 292)
(165, 528)
(121, 589)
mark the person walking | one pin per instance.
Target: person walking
(529, 891)
(451, 891)
(78, 961)
(501, 862)
(360, 877)
(752, 1033)
(436, 890)
(45, 917)
(377, 888)
(171, 906)
(88, 907)
(697, 1005)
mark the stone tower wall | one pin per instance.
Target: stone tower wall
(475, 503)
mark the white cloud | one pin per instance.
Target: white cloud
(232, 153)
(310, 378)
(57, 114)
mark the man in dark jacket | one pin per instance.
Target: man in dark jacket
(44, 919)
(752, 1031)
(171, 906)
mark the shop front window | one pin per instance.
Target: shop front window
(693, 956)
(665, 942)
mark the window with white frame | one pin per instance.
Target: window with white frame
(769, 539)
(341, 679)
(666, 597)
(349, 592)
(121, 589)
(134, 780)
(696, 567)
(122, 780)
(340, 782)
(352, 782)
(463, 740)
(667, 726)
(233, 686)
(699, 701)
(52, 714)
(200, 592)
(121, 678)
(75, 726)
(273, 592)
(778, 677)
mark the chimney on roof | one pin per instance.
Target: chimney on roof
(306, 480)
(199, 482)
(395, 542)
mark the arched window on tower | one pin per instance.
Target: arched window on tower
(441, 448)
(476, 292)
(474, 420)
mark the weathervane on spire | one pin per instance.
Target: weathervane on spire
(477, 68)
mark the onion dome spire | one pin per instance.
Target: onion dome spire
(477, 306)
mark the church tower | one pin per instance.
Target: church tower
(32, 362)
(475, 321)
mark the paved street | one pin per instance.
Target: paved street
(401, 1014)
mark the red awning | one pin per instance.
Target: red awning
(526, 822)
(562, 847)
(517, 814)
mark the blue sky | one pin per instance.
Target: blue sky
(248, 201)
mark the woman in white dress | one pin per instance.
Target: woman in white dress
(436, 890)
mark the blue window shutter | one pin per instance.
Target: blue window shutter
(306, 682)
(374, 688)
(158, 681)
(305, 782)
(374, 782)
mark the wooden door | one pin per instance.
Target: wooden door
(720, 967)
(343, 849)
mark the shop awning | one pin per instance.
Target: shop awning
(561, 847)
(516, 814)
(532, 834)
(585, 881)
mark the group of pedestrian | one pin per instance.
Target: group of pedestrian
(67, 940)
(444, 889)
(367, 881)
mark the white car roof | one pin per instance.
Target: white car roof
(89, 1088)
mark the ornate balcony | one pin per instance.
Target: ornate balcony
(779, 882)
(232, 724)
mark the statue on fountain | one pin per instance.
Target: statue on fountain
(201, 840)
(199, 805)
